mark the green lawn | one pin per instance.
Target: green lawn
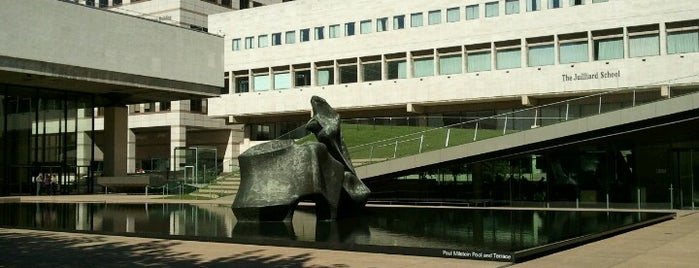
(378, 142)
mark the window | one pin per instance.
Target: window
(305, 35)
(682, 36)
(236, 44)
(577, 2)
(348, 73)
(478, 61)
(434, 17)
(450, 64)
(492, 9)
(248, 42)
(609, 48)
(572, 52)
(416, 20)
(319, 33)
(365, 27)
(398, 22)
(453, 14)
(261, 82)
(644, 40)
(302, 78)
(397, 69)
(472, 12)
(511, 7)
(325, 76)
(599, 1)
(290, 37)
(262, 41)
(371, 71)
(242, 84)
(554, 4)
(381, 24)
(423, 67)
(644, 45)
(282, 80)
(334, 31)
(508, 58)
(539, 54)
(276, 39)
(533, 5)
(349, 29)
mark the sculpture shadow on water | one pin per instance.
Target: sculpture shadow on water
(277, 175)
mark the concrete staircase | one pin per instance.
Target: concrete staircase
(226, 184)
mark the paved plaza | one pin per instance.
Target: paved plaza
(668, 244)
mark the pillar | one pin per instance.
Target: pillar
(178, 138)
(115, 140)
(131, 152)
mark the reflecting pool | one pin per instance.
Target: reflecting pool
(501, 235)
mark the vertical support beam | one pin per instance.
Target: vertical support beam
(178, 138)
(116, 125)
(131, 152)
(663, 39)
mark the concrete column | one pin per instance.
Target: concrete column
(663, 39)
(178, 138)
(409, 65)
(131, 152)
(116, 126)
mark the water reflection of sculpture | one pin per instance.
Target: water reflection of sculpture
(277, 175)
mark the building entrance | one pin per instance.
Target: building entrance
(687, 173)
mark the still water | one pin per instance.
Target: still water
(448, 232)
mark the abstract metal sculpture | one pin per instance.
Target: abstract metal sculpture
(277, 175)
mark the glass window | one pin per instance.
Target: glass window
(262, 41)
(305, 35)
(325, 76)
(242, 84)
(416, 20)
(397, 69)
(319, 33)
(572, 52)
(371, 71)
(451, 64)
(599, 1)
(511, 7)
(365, 27)
(478, 61)
(577, 2)
(261, 82)
(276, 39)
(434, 17)
(291, 37)
(423, 67)
(492, 9)
(282, 80)
(533, 5)
(236, 44)
(682, 42)
(398, 22)
(453, 14)
(472, 12)
(348, 74)
(349, 29)
(644, 45)
(334, 31)
(609, 49)
(303, 78)
(508, 58)
(540, 55)
(381, 24)
(248, 42)
(554, 4)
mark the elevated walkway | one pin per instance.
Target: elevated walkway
(651, 115)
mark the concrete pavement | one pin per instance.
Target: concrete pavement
(668, 244)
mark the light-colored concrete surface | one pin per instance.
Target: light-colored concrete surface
(667, 244)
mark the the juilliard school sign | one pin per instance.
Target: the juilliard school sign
(591, 76)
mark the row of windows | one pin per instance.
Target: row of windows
(434, 17)
(600, 45)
